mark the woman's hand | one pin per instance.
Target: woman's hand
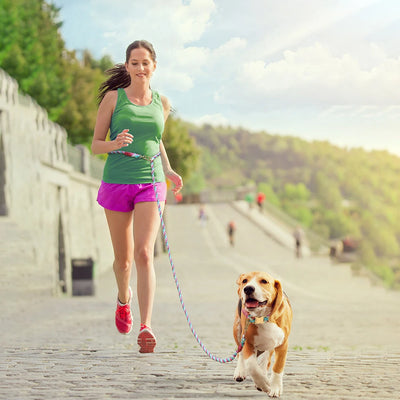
(175, 179)
(123, 139)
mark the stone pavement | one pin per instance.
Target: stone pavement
(344, 344)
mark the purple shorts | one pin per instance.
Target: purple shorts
(123, 197)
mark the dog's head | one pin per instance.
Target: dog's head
(260, 293)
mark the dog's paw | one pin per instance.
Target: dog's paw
(239, 375)
(263, 387)
(276, 385)
(275, 392)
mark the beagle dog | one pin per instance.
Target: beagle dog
(263, 319)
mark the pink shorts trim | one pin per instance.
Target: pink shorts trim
(123, 197)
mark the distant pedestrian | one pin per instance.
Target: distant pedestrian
(250, 200)
(231, 232)
(135, 114)
(298, 235)
(260, 200)
(202, 215)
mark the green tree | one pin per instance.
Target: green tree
(78, 116)
(195, 183)
(270, 195)
(32, 51)
(296, 193)
(327, 192)
(181, 148)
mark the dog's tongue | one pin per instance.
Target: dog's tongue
(251, 303)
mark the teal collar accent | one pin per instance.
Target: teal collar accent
(254, 320)
(258, 320)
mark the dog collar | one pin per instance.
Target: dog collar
(254, 320)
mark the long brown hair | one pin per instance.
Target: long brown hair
(118, 76)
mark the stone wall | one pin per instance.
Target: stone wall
(49, 189)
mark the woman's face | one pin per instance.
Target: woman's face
(140, 65)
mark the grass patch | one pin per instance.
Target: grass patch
(318, 348)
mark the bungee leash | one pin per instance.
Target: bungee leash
(164, 232)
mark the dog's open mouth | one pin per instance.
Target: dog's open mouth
(253, 303)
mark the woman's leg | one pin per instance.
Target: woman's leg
(145, 228)
(121, 231)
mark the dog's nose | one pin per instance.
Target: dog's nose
(249, 290)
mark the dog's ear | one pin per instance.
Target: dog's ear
(239, 280)
(277, 307)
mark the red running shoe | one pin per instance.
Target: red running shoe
(146, 340)
(123, 316)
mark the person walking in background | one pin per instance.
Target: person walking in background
(298, 238)
(231, 232)
(250, 200)
(135, 115)
(202, 215)
(260, 200)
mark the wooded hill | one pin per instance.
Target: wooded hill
(334, 191)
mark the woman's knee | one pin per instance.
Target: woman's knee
(123, 264)
(144, 256)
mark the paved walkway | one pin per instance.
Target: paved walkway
(344, 343)
(270, 225)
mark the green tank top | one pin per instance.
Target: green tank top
(146, 124)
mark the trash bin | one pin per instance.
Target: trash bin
(82, 277)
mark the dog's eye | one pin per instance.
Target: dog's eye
(244, 281)
(264, 281)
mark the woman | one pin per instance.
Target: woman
(135, 115)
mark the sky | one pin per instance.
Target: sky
(315, 69)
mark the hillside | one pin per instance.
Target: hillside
(336, 192)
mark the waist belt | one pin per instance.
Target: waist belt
(136, 155)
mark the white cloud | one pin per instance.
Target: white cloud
(212, 119)
(173, 81)
(230, 47)
(178, 70)
(389, 113)
(313, 75)
(188, 59)
(286, 27)
(189, 20)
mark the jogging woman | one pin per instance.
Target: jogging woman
(135, 115)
